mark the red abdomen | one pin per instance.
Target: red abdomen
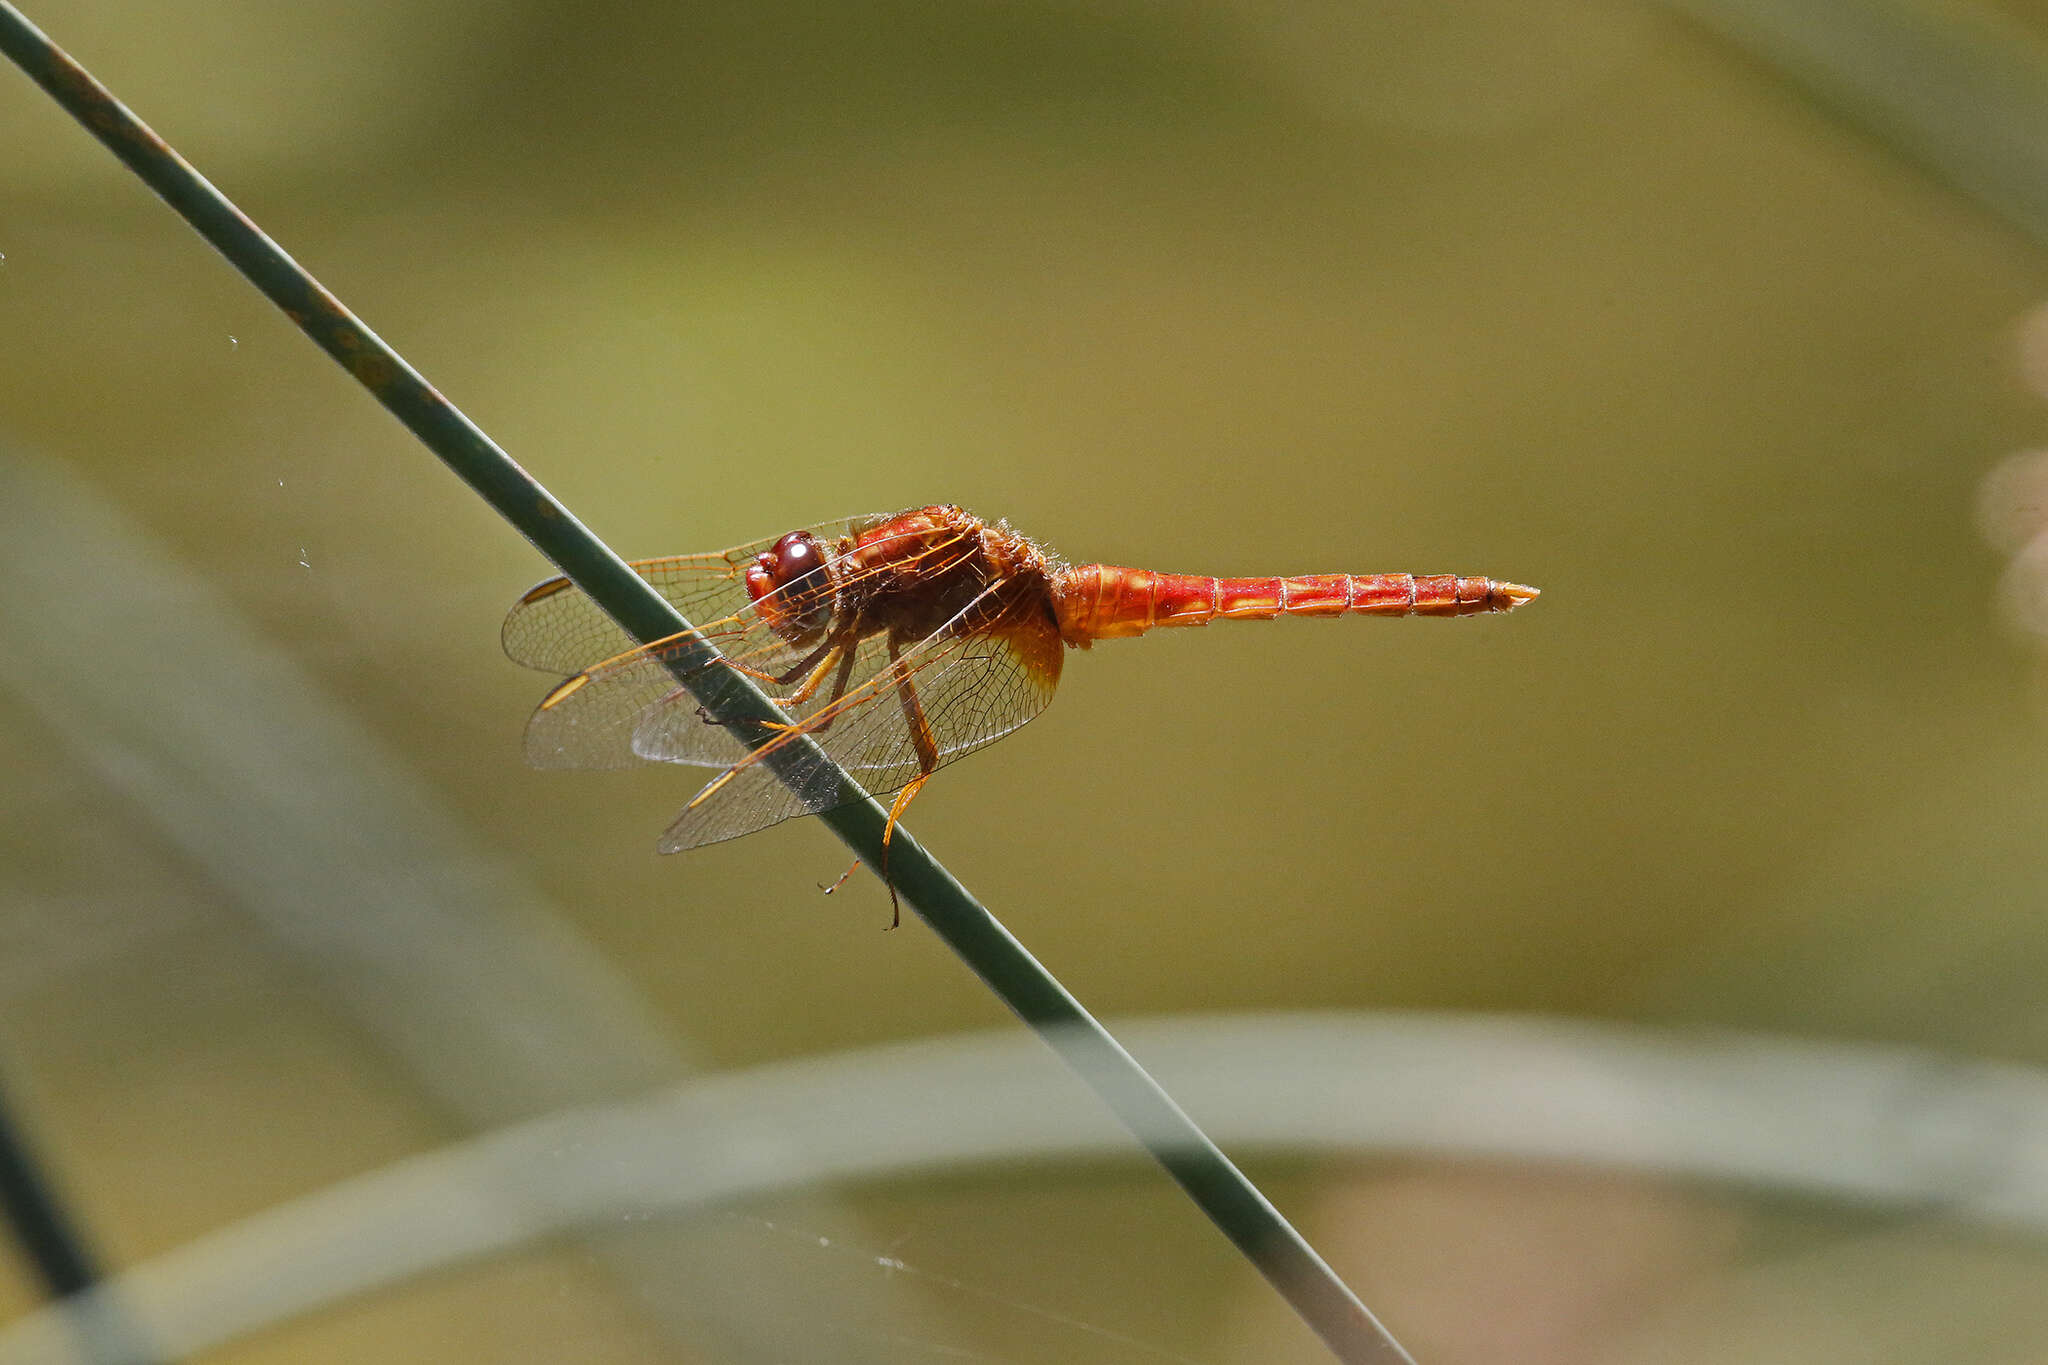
(1104, 602)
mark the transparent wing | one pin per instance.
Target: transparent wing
(556, 629)
(635, 710)
(986, 672)
(632, 708)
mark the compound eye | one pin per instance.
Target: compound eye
(794, 556)
(791, 586)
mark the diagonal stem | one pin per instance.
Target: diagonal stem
(1243, 1214)
(57, 1247)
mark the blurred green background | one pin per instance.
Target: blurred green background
(1628, 304)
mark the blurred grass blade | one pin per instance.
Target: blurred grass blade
(1894, 1132)
(1231, 1201)
(1955, 87)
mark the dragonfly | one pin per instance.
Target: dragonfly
(894, 644)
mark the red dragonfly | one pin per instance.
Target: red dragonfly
(898, 643)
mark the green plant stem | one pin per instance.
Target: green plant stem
(44, 1228)
(1244, 1215)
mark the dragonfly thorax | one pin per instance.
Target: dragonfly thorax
(931, 570)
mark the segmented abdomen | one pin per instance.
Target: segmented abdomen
(1104, 602)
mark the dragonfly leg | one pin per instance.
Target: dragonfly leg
(896, 809)
(830, 711)
(814, 663)
(822, 719)
(817, 664)
(788, 675)
(927, 760)
(760, 675)
(823, 659)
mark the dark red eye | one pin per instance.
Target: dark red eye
(791, 586)
(795, 555)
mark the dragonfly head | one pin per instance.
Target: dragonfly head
(791, 587)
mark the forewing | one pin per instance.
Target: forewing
(635, 709)
(553, 627)
(989, 670)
